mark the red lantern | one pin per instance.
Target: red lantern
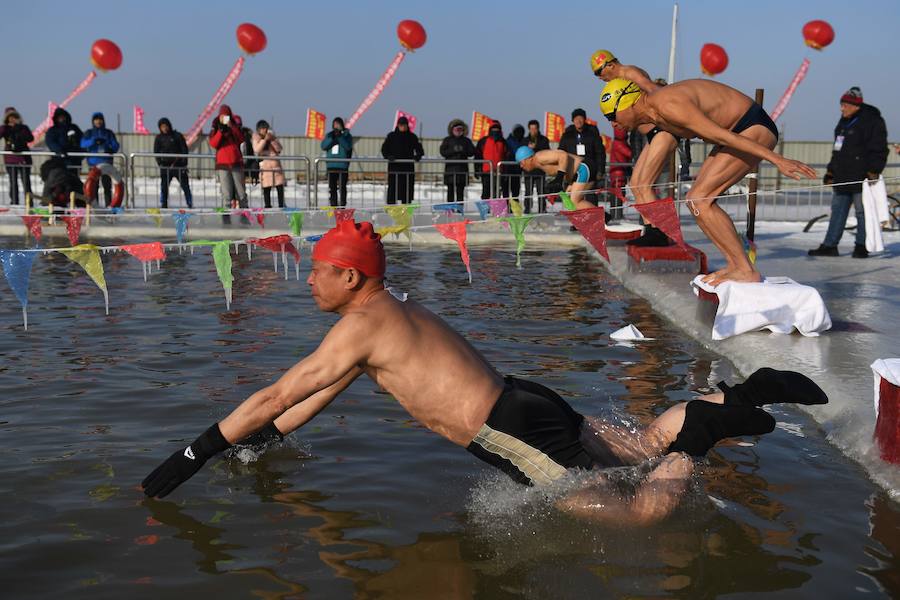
(250, 38)
(412, 34)
(713, 59)
(106, 55)
(818, 34)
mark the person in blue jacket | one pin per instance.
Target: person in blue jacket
(100, 140)
(338, 143)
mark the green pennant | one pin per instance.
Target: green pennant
(296, 223)
(567, 201)
(518, 225)
(222, 258)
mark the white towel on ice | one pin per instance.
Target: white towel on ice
(875, 206)
(889, 369)
(779, 304)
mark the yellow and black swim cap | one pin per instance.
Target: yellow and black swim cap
(617, 95)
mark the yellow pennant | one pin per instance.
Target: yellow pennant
(158, 219)
(88, 256)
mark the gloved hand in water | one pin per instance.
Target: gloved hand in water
(182, 465)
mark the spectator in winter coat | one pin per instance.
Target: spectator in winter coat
(100, 140)
(512, 174)
(338, 143)
(266, 146)
(226, 138)
(583, 140)
(251, 164)
(401, 144)
(65, 137)
(860, 152)
(534, 179)
(456, 146)
(170, 141)
(16, 137)
(491, 148)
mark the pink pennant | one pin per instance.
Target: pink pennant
(260, 217)
(343, 214)
(33, 223)
(662, 215)
(277, 243)
(457, 231)
(592, 225)
(73, 228)
(146, 252)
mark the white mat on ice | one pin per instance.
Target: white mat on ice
(779, 304)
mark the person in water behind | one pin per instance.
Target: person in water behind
(525, 429)
(743, 134)
(571, 172)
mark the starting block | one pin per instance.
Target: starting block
(623, 232)
(666, 259)
(887, 408)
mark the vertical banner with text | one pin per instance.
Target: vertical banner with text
(315, 124)
(481, 123)
(554, 125)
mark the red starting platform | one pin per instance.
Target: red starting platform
(623, 233)
(666, 259)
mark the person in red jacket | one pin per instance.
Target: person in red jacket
(491, 147)
(620, 168)
(226, 138)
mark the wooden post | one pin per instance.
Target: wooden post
(27, 202)
(754, 185)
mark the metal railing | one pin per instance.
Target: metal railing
(146, 177)
(370, 184)
(31, 172)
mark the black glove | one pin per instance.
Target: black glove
(214, 126)
(556, 184)
(264, 436)
(182, 465)
(829, 178)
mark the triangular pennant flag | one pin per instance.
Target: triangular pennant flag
(33, 223)
(402, 216)
(343, 214)
(457, 231)
(448, 206)
(499, 207)
(518, 226)
(17, 269)
(662, 215)
(146, 252)
(88, 256)
(260, 217)
(181, 219)
(296, 223)
(222, 258)
(484, 209)
(568, 204)
(277, 243)
(516, 208)
(592, 225)
(73, 228)
(157, 217)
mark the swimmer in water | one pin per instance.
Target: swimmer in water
(743, 134)
(521, 427)
(572, 173)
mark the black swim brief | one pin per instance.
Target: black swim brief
(755, 115)
(532, 434)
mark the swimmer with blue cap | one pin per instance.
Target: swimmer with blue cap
(570, 172)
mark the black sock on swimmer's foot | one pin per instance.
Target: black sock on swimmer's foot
(707, 423)
(269, 433)
(769, 386)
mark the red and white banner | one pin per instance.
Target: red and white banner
(786, 97)
(41, 129)
(216, 101)
(315, 124)
(410, 118)
(139, 121)
(379, 87)
(554, 125)
(481, 123)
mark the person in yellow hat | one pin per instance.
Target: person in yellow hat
(743, 134)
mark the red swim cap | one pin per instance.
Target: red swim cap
(352, 245)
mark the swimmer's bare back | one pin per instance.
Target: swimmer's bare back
(723, 105)
(432, 371)
(553, 161)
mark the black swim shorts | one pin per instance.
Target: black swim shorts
(532, 434)
(755, 115)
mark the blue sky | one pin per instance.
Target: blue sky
(511, 60)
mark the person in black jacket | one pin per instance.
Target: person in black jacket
(65, 137)
(860, 152)
(511, 176)
(584, 140)
(534, 179)
(457, 146)
(170, 141)
(16, 137)
(401, 144)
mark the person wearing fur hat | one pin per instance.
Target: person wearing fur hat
(170, 141)
(860, 152)
(456, 146)
(16, 136)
